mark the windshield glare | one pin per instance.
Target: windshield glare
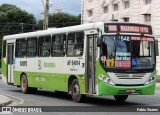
(128, 52)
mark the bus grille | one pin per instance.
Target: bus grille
(130, 76)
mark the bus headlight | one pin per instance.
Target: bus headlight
(150, 80)
(106, 79)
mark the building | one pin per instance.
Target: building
(136, 11)
(57, 10)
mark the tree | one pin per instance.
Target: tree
(62, 20)
(13, 20)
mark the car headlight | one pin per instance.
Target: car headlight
(150, 80)
(106, 79)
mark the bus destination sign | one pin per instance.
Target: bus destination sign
(136, 29)
(127, 28)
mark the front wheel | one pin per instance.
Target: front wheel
(75, 91)
(120, 98)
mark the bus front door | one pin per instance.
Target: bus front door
(91, 59)
(10, 52)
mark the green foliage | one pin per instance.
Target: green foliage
(13, 20)
(62, 20)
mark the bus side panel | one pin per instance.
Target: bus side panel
(99, 70)
(51, 81)
(17, 76)
(56, 81)
(4, 70)
(82, 85)
(47, 77)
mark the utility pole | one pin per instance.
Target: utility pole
(82, 11)
(45, 13)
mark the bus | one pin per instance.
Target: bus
(98, 59)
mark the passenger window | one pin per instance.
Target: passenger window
(75, 43)
(20, 48)
(31, 47)
(58, 45)
(44, 46)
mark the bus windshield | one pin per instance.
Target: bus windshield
(127, 52)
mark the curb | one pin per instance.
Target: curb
(4, 100)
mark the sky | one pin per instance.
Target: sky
(35, 7)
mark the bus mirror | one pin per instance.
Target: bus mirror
(156, 46)
(98, 42)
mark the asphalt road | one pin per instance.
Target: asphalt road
(49, 98)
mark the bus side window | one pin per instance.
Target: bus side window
(31, 47)
(44, 46)
(75, 44)
(20, 48)
(58, 45)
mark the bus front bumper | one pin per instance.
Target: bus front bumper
(106, 89)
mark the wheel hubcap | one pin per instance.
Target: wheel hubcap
(76, 91)
(23, 84)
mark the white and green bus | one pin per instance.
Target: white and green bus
(100, 59)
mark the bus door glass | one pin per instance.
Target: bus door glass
(91, 58)
(10, 51)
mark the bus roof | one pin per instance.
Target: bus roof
(66, 30)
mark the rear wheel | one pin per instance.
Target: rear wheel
(75, 91)
(120, 98)
(24, 85)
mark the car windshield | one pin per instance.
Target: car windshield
(130, 52)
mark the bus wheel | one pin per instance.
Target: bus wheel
(24, 84)
(120, 98)
(75, 91)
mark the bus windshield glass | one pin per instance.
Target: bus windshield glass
(127, 52)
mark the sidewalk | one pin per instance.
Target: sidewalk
(157, 84)
(4, 100)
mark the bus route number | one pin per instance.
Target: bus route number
(73, 62)
(124, 38)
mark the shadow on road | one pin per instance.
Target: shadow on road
(91, 100)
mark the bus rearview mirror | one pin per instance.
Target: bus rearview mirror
(156, 46)
(98, 42)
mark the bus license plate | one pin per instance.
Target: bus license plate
(130, 90)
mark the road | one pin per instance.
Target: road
(49, 98)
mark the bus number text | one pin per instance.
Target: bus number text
(73, 62)
(23, 63)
